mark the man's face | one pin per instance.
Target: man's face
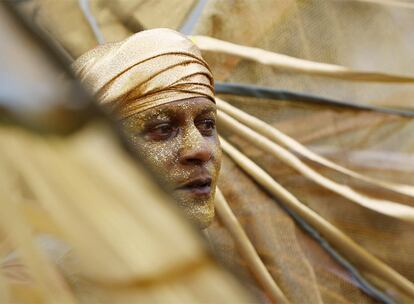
(179, 141)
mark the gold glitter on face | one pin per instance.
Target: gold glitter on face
(179, 141)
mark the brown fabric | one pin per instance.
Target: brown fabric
(346, 33)
(300, 267)
(389, 239)
(362, 36)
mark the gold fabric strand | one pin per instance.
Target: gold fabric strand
(292, 64)
(124, 263)
(50, 283)
(389, 208)
(280, 138)
(247, 249)
(92, 198)
(337, 238)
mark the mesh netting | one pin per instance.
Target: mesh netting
(363, 36)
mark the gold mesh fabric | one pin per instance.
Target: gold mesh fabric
(363, 36)
(302, 269)
(360, 140)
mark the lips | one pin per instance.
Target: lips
(198, 186)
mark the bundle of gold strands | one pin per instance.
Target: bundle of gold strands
(107, 235)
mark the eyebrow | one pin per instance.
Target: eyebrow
(207, 110)
(168, 113)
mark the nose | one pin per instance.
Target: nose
(195, 156)
(195, 149)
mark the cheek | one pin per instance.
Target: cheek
(159, 155)
(216, 153)
(162, 157)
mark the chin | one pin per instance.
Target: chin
(203, 219)
(199, 212)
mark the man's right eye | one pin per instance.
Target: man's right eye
(161, 132)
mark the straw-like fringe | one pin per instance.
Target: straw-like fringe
(280, 138)
(295, 64)
(247, 250)
(99, 200)
(57, 180)
(50, 284)
(386, 207)
(337, 238)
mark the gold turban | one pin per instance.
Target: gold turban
(147, 69)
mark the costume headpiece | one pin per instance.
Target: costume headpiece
(147, 69)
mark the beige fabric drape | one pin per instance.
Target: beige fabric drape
(148, 69)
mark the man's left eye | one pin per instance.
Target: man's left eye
(206, 126)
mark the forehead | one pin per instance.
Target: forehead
(182, 108)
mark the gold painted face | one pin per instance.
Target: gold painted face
(180, 142)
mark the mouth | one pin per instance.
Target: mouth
(199, 186)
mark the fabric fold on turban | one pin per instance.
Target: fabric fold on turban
(147, 69)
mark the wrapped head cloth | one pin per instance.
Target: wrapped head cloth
(147, 69)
